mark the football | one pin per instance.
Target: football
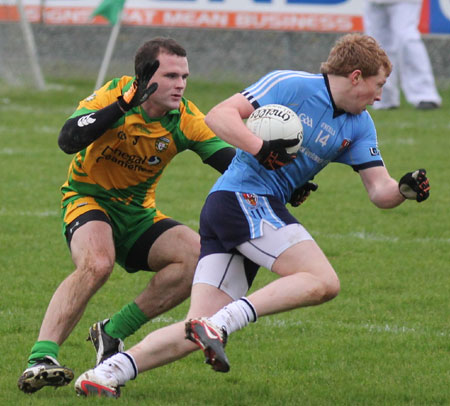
(274, 121)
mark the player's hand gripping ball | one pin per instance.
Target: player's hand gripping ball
(281, 130)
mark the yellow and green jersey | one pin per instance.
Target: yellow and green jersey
(126, 162)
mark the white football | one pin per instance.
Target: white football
(274, 121)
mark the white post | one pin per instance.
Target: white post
(31, 47)
(108, 53)
(7, 74)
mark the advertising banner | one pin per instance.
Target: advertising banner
(439, 16)
(284, 15)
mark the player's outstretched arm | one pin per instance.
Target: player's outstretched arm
(226, 121)
(79, 132)
(385, 192)
(221, 159)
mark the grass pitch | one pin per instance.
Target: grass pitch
(385, 340)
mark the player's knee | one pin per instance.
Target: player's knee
(331, 289)
(96, 269)
(324, 289)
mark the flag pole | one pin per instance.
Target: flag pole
(31, 47)
(109, 51)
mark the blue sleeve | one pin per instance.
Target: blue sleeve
(277, 87)
(363, 151)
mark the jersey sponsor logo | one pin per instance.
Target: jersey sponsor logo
(250, 198)
(313, 156)
(124, 159)
(86, 120)
(374, 151)
(162, 143)
(154, 160)
(306, 120)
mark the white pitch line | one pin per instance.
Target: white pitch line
(192, 223)
(7, 151)
(363, 235)
(37, 111)
(23, 152)
(400, 141)
(372, 328)
(274, 322)
(164, 319)
(45, 213)
(360, 235)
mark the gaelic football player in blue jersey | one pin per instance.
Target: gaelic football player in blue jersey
(245, 224)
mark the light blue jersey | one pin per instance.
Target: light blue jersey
(330, 135)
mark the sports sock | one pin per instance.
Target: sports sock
(235, 315)
(41, 349)
(126, 321)
(121, 365)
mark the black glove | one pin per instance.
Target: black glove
(415, 185)
(138, 92)
(273, 155)
(300, 194)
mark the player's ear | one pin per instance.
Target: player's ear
(356, 76)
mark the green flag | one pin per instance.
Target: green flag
(110, 9)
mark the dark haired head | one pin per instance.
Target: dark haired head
(150, 51)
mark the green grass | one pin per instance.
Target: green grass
(385, 340)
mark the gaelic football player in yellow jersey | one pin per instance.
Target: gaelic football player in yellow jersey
(124, 135)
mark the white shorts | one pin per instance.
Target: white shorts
(229, 271)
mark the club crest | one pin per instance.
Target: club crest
(250, 198)
(162, 144)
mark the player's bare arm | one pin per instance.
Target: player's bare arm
(384, 191)
(225, 120)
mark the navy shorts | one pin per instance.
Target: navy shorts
(229, 219)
